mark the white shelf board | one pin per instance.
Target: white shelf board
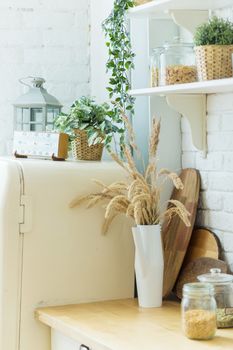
(205, 87)
(155, 7)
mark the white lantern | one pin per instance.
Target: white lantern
(35, 110)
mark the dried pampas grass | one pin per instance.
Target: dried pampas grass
(139, 197)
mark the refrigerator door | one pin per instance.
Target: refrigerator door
(65, 258)
(11, 250)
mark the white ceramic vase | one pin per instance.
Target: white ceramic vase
(149, 264)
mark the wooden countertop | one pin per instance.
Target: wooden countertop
(122, 325)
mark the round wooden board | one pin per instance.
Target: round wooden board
(203, 243)
(195, 268)
(176, 235)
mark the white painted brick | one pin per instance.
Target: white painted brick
(220, 181)
(227, 122)
(228, 203)
(220, 220)
(45, 19)
(189, 160)
(228, 162)
(214, 122)
(10, 19)
(220, 102)
(78, 73)
(213, 161)
(76, 38)
(211, 200)
(221, 141)
(48, 55)
(228, 241)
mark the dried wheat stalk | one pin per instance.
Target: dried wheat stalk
(139, 198)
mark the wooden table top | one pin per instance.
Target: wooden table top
(122, 325)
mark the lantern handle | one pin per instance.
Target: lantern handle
(35, 81)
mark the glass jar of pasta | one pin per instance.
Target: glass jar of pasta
(198, 311)
(177, 63)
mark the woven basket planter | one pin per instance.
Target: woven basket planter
(82, 151)
(214, 61)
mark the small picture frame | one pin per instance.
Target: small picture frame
(47, 145)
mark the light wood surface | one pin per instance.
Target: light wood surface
(122, 325)
(176, 235)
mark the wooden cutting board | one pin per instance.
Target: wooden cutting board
(195, 268)
(203, 243)
(176, 235)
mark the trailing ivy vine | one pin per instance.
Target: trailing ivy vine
(120, 62)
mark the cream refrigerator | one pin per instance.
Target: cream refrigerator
(51, 254)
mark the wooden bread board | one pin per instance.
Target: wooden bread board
(176, 235)
(203, 243)
(195, 268)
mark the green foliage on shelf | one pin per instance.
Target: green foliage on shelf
(86, 114)
(120, 62)
(216, 32)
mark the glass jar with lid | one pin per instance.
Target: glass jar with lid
(177, 63)
(223, 286)
(155, 66)
(198, 311)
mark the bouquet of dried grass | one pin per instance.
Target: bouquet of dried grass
(139, 197)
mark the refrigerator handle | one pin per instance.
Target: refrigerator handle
(26, 222)
(84, 347)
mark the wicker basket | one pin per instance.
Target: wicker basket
(82, 151)
(214, 61)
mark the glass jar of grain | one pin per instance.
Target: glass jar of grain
(155, 66)
(198, 311)
(223, 288)
(177, 63)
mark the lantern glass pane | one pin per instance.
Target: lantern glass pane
(36, 115)
(18, 127)
(26, 115)
(36, 127)
(52, 112)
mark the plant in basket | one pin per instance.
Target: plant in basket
(89, 127)
(214, 48)
(138, 198)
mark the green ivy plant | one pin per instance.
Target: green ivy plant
(216, 32)
(86, 114)
(119, 63)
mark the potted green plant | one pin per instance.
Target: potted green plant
(214, 47)
(89, 127)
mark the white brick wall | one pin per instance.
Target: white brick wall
(48, 38)
(216, 198)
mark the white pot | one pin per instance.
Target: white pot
(149, 264)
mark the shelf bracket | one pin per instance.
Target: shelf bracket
(194, 108)
(189, 19)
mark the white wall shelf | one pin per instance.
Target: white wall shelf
(187, 99)
(190, 101)
(155, 7)
(205, 87)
